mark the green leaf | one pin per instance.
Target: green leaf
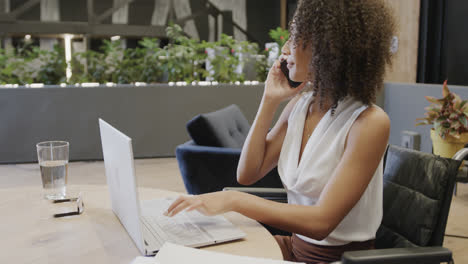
(463, 120)
(456, 100)
(432, 99)
(422, 123)
(465, 108)
(435, 108)
(453, 115)
(439, 130)
(456, 126)
(445, 89)
(454, 133)
(462, 104)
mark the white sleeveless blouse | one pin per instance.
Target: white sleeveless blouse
(305, 181)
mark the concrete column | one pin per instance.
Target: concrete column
(7, 43)
(160, 12)
(181, 9)
(79, 46)
(121, 17)
(215, 25)
(239, 14)
(47, 43)
(49, 12)
(5, 7)
(212, 35)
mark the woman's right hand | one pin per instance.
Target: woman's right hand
(277, 88)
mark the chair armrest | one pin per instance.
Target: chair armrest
(273, 194)
(398, 255)
(208, 169)
(194, 149)
(461, 154)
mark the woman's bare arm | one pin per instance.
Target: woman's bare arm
(261, 149)
(365, 146)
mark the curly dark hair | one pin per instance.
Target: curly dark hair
(350, 42)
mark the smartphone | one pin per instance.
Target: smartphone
(285, 70)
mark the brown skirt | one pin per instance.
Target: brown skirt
(298, 250)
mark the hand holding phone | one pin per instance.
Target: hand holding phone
(285, 70)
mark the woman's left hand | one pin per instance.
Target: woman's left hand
(207, 204)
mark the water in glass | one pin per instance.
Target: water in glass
(54, 175)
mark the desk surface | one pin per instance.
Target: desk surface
(29, 235)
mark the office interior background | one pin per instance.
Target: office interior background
(429, 31)
(431, 46)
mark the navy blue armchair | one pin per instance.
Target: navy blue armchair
(209, 161)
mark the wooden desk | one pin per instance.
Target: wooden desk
(30, 236)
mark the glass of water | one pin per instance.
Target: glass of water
(53, 161)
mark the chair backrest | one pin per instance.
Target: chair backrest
(417, 195)
(226, 127)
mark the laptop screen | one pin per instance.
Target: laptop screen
(120, 175)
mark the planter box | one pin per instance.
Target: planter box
(154, 116)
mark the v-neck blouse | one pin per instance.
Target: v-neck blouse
(304, 180)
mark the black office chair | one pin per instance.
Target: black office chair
(416, 200)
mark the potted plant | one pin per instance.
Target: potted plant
(449, 117)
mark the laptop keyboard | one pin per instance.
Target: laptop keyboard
(178, 229)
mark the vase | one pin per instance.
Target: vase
(449, 146)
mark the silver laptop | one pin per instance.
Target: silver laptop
(145, 222)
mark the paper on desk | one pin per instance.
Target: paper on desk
(171, 253)
(144, 260)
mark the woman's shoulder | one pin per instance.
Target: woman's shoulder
(374, 114)
(372, 121)
(291, 105)
(370, 130)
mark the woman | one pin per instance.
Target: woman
(330, 139)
